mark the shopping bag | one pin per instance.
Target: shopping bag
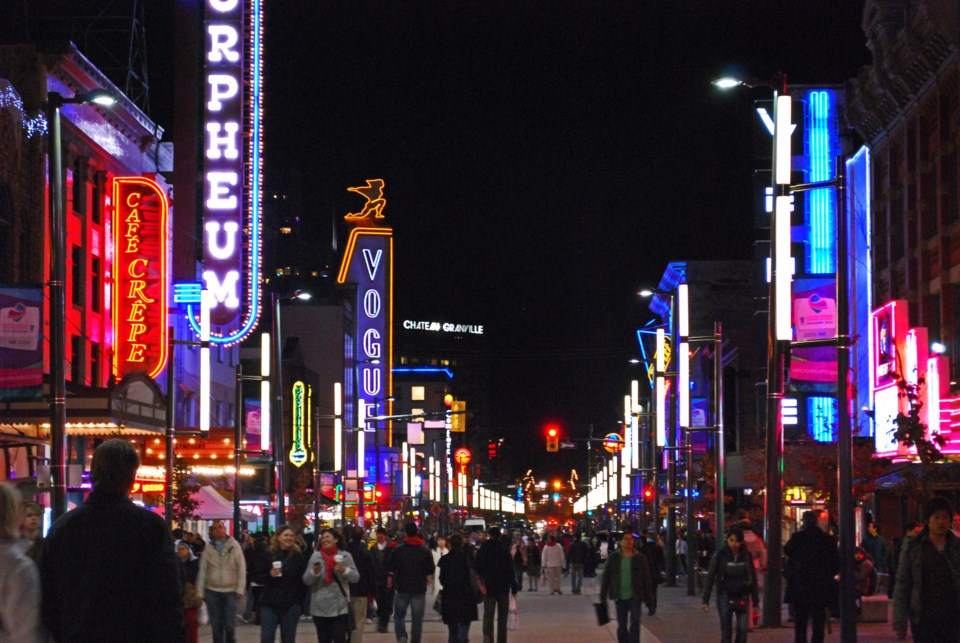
(603, 613)
(513, 618)
(203, 616)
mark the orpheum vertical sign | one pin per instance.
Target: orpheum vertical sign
(368, 264)
(231, 166)
(139, 277)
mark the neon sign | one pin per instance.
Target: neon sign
(301, 422)
(139, 277)
(368, 263)
(231, 174)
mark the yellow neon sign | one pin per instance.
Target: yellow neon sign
(298, 453)
(375, 205)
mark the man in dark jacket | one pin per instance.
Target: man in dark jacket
(381, 551)
(363, 589)
(109, 571)
(654, 554)
(577, 560)
(495, 568)
(627, 593)
(410, 568)
(812, 562)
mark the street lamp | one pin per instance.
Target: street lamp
(278, 441)
(780, 333)
(58, 270)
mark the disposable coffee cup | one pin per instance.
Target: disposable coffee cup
(278, 565)
(338, 558)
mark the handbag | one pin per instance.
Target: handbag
(603, 613)
(351, 619)
(191, 597)
(476, 586)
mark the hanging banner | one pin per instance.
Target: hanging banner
(139, 277)
(21, 343)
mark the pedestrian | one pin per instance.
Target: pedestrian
(20, 587)
(189, 568)
(381, 551)
(653, 551)
(680, 550)
(365, 586)
(733, 572)
(812, 562)
(31, 540)
(913, 528)
(864, 576)
(283, 588)
(928, 579)
(438, 551)
(221, 581)
(410, 567)
(458, 606)
(876, 546)
(495, 569)
(554, 562)
(257, 559)
(328, 572)
(109, 570)
(579, 551)
(518, 553)
(533, 564)
(626, 579)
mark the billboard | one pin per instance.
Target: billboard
(21, 343)
(814, 318)
(139, 277)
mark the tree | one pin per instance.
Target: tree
(185, 505)
(822, 458)
(912, 432)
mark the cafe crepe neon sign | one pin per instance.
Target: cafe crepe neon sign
(139, 277)
(301, 423)
(231, 179)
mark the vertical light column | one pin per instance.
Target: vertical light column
(413, 470)
(683, 355)
(625, 448)
(635, 423)
(205, 304)
(661, 392)
(783, 206)
(265, 392)
(404, 471)
(361, 438)
(337, 426)
(431, 486)
(475, 501)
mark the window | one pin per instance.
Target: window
(96, 364)
(80, 185)
(417, 393)
(76, 360)
(79, 293)
(96, 197)
(95, 293)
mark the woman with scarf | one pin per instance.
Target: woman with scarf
(283, 590)
(329, 572)
(189, 568)
(459, 605)
(553, 562)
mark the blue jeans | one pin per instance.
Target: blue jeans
(222, 608)
(628, 620)
(576, 577)
(417, 603)
(726, 627)
(458, 632)
(500, 603)
(287, 618)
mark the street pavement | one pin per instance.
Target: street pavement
(569, 618)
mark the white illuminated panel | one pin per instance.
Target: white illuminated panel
(635, 423)
(265, 392)
(660, 393)
(205, 300)
(782, 268)
(404, 470)
(783, 114)
(338, 427)
(788, 411)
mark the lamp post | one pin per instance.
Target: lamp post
(779, 336)
(58, 251)
(278, 437)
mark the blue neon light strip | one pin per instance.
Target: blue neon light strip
(822, 150)
(424, 370)
(187, 293)
(253, 314)
(822, 418)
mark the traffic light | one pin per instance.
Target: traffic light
(553, 439)
(648, 494)
(492, 449)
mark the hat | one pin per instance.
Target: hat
(183, 543)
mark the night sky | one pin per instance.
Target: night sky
(543, 160)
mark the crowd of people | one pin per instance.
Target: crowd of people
(64, 586)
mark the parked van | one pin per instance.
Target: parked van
(474, 524)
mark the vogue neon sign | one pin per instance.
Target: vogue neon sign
(139, 277)
(231, 168)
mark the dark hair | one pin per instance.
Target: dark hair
(456, 542)
(411, 529)
(736, 532)
(810, 518)
(381, 530)
(939, 503)
(114, 466)
(494, 533)
(336, 536)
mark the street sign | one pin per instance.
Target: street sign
(568, 445)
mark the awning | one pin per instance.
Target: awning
(213, 506)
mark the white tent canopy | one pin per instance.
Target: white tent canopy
(213, 506)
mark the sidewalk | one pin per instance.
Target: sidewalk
(680, 618)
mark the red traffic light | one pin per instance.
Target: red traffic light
(448, 400)
(648, 493)
(553, 438)
(552, 432)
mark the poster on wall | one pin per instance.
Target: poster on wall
(21, 343)
(814, 318)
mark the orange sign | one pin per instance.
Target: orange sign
(462, 456)
(148, 486)
(139, 277)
